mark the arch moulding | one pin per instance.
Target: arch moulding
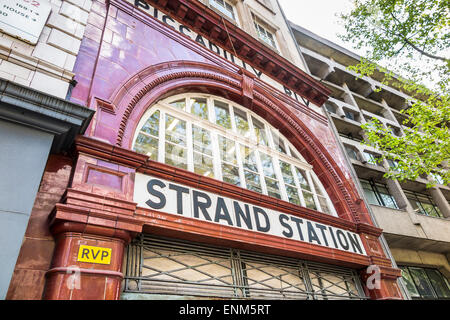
(156, 82)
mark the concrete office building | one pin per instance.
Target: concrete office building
(198, 176)
(415, 220)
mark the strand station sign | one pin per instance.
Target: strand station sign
(208, 44)
(164, 196)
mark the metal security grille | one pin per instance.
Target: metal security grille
(173, 267)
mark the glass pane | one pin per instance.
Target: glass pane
(175, 130)
(227, 149)
(267, 165)
(253, 181)
(324, 204)
(409, 283)
(287, 173)
(273, 189)
(371, 197)
(422, 283)
(230, 174)
(248, 158)
(278, 142)
(439, 283)
(147, 145)
(302, 179)
(388, 201)
(429, 210)
(176, 156)
(203, 165)
(199, 107)
(180, 104)
(222, 114)
(260, 132)
(292, 193)
(240, 117)
(309, 200)
(202, 140)
(152, 124)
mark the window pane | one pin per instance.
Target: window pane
(180, 104)
(439, 283)
(227, 149)
(222, 114)
(253, 181)
(292, 193)
(203, 165)
(324, 204)
(152, 124)
(175, 130)
(267, 165)
(278, 142)
(301, 175)
(388, 201)
(248, 158)
(199, 107)
(230, 174)
(409, 283)
(273, 189)
(287, 173)
(240, 117)
(176, 156)
(260, 132)
(422, 283)
(202, 140)
(309, 200)
(147, 145)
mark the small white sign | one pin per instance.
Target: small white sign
(24, 19)
(172, 198)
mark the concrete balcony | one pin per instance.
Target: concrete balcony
(413, 231)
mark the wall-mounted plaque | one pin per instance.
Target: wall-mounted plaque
(24, 19)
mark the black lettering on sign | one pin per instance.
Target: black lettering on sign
(312, 235)
(356, 246)
(151, 189)
(238, 213)
(200, 40)
(322, 229)
(342, 239)
(222, 212)
(256, 212)
(214, 48)
(180, 190)
(165, 18)
(85, 252)
(298, 221)
(201, 205)
(182, 28)
(289, 233)
(142, 4)
(105, 254)
(332, 237)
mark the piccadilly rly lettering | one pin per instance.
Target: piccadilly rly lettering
(184, 201)
(209, 45)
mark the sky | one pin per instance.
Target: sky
(319, 16)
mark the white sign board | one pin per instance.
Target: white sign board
(24, 19)
(172, 198)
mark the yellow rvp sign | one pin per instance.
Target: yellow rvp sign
(94, 254)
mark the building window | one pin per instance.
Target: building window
(224, 7)
(371, 158)
(173, 267)
(214, 137)
(350, 115)
(351, 152)
(263, 33)
(378, 194)
(425, 283)
(423, 204)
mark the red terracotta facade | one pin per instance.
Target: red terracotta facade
(128, 60)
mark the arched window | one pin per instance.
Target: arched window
(215, 137)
